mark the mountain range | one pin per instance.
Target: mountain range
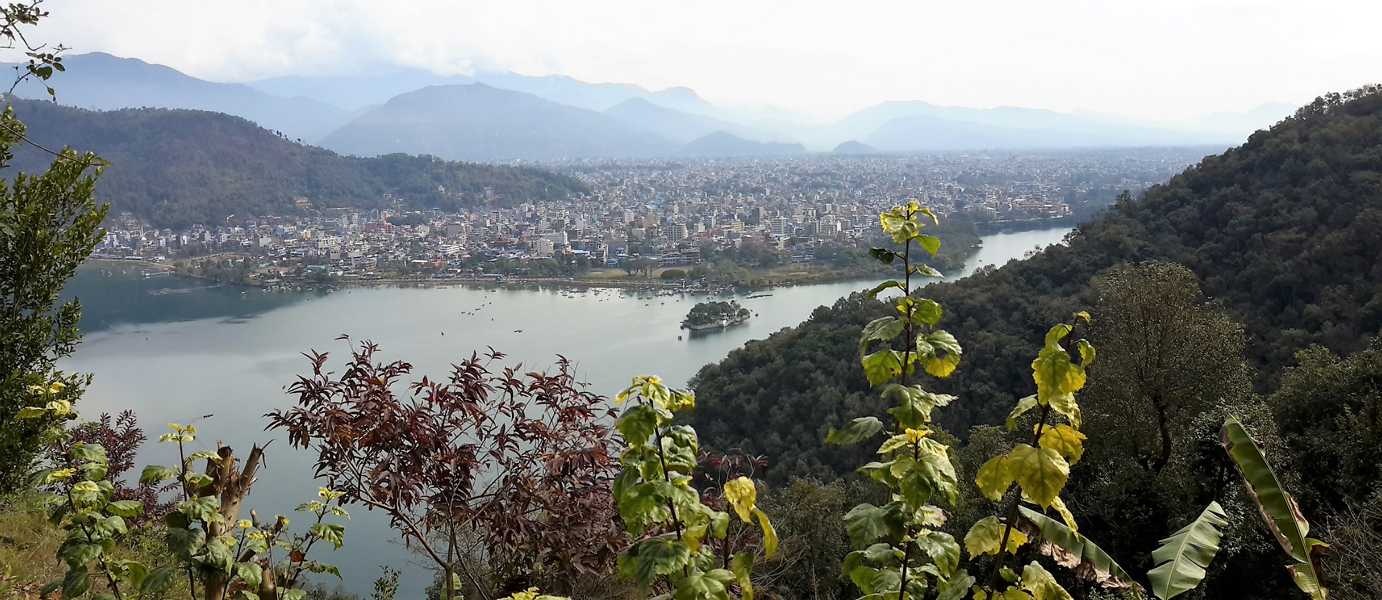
(498, 116)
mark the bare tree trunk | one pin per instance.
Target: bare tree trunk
(1164, 428)
(232, 488)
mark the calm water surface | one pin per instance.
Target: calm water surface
(175, 350)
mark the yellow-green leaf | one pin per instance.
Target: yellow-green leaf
(742, 494)
(1065, 440)
(769, 534)
(1040, 471)
(995, 477)
(985, 536)
(1023, 405)
(1041, 585)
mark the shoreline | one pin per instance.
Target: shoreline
(515, 282)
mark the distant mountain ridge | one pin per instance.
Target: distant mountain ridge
(853, 147)
(674, 125)
(637, 123)
(178, 167)
(724, 144)
(482, 123)
(104, 82)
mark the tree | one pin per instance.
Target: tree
(521, 463)
(49, 224)
(1170, 355)
(1330, 413)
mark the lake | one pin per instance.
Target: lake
(175, 349)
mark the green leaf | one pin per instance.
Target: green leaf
(856, 431)
(75, 583)
(940, 353)
(926, 311)
(955, 587)
(926, 270)
(943, 550)
(883, 255)
(332, 533)
(912, 404)
(651, 558)
(883, 329)
(890, 284)
(986, 535)
(1023, 405)
(158, 581)
(77, 555)
(704, 586)
(125, 508)
(1068, 547)
(882, 366)
(1040, 471)
(930, 243)
(867, 523)
(1278, 507)
(1183, 557)
(680, 448)
(157, 474)
(201, 508)
(251, 573)
(197, 480)
(742, 565)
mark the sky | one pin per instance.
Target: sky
(1148, 59)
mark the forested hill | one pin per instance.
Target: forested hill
(1285, 231)
(176, 167)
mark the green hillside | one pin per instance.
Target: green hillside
(177, 167)
(1285, 231)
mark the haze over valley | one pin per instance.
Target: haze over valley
(504, 116)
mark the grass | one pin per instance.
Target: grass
(29, 545)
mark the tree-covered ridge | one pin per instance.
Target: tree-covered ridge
(1281, 231)
(178, 167)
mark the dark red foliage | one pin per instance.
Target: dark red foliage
(121, 437)
(523, 462)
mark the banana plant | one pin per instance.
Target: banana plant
(1183, 557)
(1278, 507)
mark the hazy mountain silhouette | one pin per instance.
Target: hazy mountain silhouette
(104, 82)
(675, 125)
(480, 122)
(723, 144)
(853, 147)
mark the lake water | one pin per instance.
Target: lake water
(175, 350)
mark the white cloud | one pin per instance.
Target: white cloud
(1164, 59)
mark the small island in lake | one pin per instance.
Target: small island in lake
(715, 315)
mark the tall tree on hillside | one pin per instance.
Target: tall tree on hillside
(1170, 356)
(49, 224)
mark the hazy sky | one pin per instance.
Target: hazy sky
(1161, 59)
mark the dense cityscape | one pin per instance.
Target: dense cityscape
(646, 216)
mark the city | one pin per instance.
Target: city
(651, 216)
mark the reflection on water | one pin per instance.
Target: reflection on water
(175, 349)
(125, 293)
